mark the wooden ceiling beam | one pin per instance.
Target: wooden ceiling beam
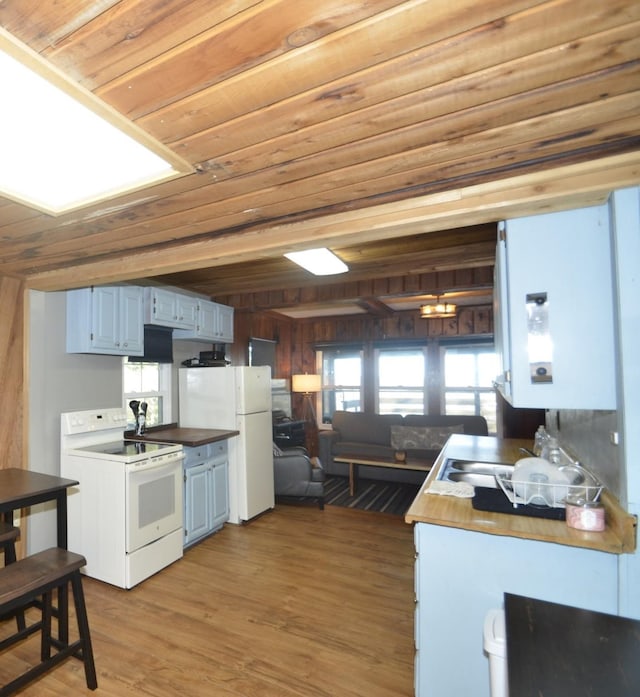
(586, 183)
(375, 307)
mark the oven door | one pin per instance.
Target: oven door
(154, 501)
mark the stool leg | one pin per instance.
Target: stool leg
(10, 558)
(83, 630)
(45, 636)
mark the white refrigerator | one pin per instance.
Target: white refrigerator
(236, 398)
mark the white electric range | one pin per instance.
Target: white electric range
(125, 516)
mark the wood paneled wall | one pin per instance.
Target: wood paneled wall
(12, 437)
(296, 339)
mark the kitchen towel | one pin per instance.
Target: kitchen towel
(462, 490)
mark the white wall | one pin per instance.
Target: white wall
(57, 382)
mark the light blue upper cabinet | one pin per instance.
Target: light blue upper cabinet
(105, 320)
(214, 324)
(167, 308)
(554, 310)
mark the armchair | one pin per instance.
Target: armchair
(296, 477)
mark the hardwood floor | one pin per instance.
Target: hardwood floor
(298, 603)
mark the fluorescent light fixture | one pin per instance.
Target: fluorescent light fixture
(61, 147)
(320, 262)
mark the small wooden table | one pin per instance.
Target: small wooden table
(21, 488)
(355, 460)
(554, 649)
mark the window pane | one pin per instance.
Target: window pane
(401, 382)
(468, 390)
(142, 382)
(345, 370)
(466, 368)
(341, 382)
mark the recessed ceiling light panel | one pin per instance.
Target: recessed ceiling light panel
(62, 148)
(320, 261)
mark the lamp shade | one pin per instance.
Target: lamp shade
(306, 383)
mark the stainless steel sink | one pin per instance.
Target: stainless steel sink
(474, 473)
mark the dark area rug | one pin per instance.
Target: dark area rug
(371, 495)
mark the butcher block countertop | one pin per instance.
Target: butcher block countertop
(189, 437)
(618, 537)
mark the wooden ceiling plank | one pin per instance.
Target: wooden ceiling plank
(579, 118)
(26, 263)
(257, 89)
(132, 33)
(372, 139)
(233, 47)
(112, 242)
(541, 191)
(304, 119)
(43, 24)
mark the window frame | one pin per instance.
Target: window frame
(163, 393)
(328, 390)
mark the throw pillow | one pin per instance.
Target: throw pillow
(422, 437)
(277, 452)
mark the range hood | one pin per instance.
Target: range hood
(158, 345)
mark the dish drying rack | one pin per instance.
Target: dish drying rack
(580, 483)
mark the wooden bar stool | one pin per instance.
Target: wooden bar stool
(8, 536)
(33, 580)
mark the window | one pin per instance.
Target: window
(341, 381)
(150, 383)
(400, 381)
(469, 372)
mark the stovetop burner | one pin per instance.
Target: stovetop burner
(126, 448)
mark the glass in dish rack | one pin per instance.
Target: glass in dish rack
(550, 486)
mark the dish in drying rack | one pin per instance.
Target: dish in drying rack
(539, 482)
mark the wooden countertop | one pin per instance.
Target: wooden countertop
(559, 650)
(618, 537)
(189, 437)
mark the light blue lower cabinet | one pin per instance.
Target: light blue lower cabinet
(460, 575)
(206, 491)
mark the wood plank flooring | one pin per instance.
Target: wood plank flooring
(298, 603)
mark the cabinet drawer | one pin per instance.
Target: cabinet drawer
(217, 450)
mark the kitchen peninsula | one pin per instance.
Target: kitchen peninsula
(466, 559)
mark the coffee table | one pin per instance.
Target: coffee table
(354, 461)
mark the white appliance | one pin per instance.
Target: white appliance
(125, 517)
(236, 398)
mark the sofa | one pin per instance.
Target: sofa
(380, 435)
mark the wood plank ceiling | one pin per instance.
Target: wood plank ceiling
(394, 132)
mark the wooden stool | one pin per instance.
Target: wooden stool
(8, 536)
(33, 579)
